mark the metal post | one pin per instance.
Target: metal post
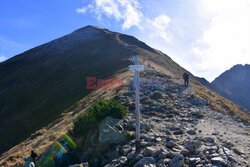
(137, 107)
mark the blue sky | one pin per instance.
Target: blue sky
(206, 37)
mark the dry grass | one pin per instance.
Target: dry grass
(219, 103)
(14, 157)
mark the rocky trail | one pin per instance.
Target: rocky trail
(177, 129)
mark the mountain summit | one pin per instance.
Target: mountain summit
(41, 83)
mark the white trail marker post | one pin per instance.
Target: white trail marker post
(137, 68)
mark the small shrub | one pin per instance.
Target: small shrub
(84, 123)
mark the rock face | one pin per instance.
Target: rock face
(234, 83)
(109, 133)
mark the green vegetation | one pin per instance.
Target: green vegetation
(84, 123)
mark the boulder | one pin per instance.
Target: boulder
(109, 134)
(177, 161)
(191, 132)
(218, 160)
(148, 151)
(160, 154)
(208, 140)
(170, 144)
(192, 145)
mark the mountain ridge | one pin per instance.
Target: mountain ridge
(50, 83)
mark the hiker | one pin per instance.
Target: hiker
(186, 77)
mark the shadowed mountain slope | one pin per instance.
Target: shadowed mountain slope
(38, 85)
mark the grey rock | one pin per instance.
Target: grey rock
(122, 160)
(184, 152)
(178, 132)
(160, 154)
(173, 128)
(148, 151)
(191, 132)
(192, 145)
(126, 149)
(170, 155)
(177, 161)
(145, 126)
(232, 159)
(170, 144)
(108, 134)
(138, 156)
(168, 132)
(131, 125)
(218, 160)
(157, 139)
(194, 160)
(164, 161)
(145, 161)
(130, 155)
(208, 140)
(237, 151)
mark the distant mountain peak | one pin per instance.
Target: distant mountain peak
(88, 28)
(237, 67)
(235, 84)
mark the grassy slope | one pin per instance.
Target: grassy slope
(44, 86)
